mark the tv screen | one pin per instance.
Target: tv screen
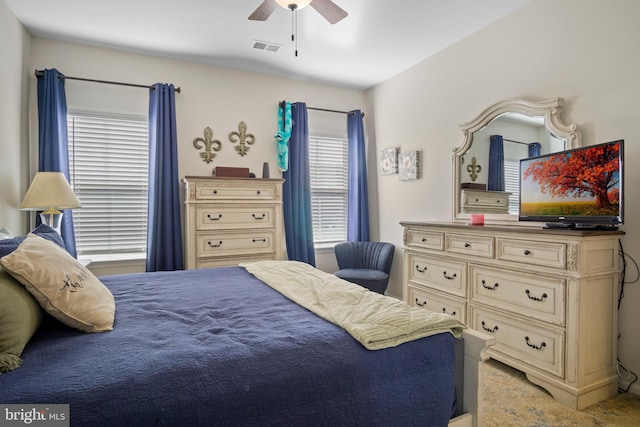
(580, 188)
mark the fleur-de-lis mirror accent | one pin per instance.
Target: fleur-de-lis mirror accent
(245, 139)
(473, 169)
(209, 144)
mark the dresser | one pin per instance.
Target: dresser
(232, 220)
(549, 297)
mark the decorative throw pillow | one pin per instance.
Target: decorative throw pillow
(64, 288)
(43, 230)
(20, 316)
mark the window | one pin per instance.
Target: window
(512, 183)
(328, 172)
(108, 161)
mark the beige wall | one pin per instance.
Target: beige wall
(584, 51)
(13, 119)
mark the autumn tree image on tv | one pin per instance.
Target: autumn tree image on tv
(583, 182)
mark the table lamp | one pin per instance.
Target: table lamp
(49, 192)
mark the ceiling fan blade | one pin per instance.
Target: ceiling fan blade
(329, 10)
(263, 11)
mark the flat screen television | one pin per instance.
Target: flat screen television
(579, 188)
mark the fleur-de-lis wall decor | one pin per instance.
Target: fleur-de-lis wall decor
(209, 144)
(473, 169)
(245, 139)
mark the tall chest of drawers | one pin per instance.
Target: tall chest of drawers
(549, 297)
(232, 220)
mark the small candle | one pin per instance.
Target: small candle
(477, 219)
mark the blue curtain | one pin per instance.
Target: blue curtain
(164, 232)
(53, 149)
(534, 149)
(296, 195)
(496, 164)
(358, 197)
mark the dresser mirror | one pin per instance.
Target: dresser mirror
(527, 128)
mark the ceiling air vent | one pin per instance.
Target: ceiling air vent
(269, 47)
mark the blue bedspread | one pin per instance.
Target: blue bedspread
(218, 347)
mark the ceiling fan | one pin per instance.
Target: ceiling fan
(328, 9)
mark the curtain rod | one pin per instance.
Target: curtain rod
(41, 74)
(325, 109)
(517, 142)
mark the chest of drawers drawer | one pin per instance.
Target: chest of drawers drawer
(444, 273)
(225, 191)
(539, 297)
(238, 243)
(546, 254)
(419, 297)
(529, 342)
(212, 217)
(425, 239)
(469, 245)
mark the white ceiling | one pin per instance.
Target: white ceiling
(379, 38)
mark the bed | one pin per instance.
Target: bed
(221, 347)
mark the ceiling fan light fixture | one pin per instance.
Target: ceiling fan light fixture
(299, 4)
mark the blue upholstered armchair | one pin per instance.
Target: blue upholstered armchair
(366, 263)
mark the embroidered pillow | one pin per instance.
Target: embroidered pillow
(20, 316)
(64, 288)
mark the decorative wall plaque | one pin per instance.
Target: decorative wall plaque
(243, 138)
(209, 144)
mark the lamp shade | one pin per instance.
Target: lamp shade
(49, 191)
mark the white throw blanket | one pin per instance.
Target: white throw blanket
(375, 320)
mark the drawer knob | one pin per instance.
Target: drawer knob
(534, 298)
(257, 217)
(527, 252)
(215, 191)
(492, 330)
(424, 270)
(424, 240)
(467, 245)
(259, 240)
(215, 245)
(444, 273)
(491, 288)
(444, 310)
(421, 304)
(537, 347)
(214, 219)
(258, 192)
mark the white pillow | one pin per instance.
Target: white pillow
(63, 286)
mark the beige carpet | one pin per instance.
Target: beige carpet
(511, 400)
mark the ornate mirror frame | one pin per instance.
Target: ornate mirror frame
(550, 109)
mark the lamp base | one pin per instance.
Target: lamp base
(52, 219)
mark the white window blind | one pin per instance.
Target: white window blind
(328, 172)
(512, 183)
(108, 160)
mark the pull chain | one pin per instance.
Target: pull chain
(294, 26)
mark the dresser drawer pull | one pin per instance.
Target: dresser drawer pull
(258, 192)
(215, 191)
(421, 304)
(527, 252)
(215, 245)
(444, 273)
(256, 217)
(537, 347)
(214, 219)
(467, 245)
(492, 330)
(259, 240)
(491, 288)
(424, 270)
(424, 240)
(444, 310)
(541, 298)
